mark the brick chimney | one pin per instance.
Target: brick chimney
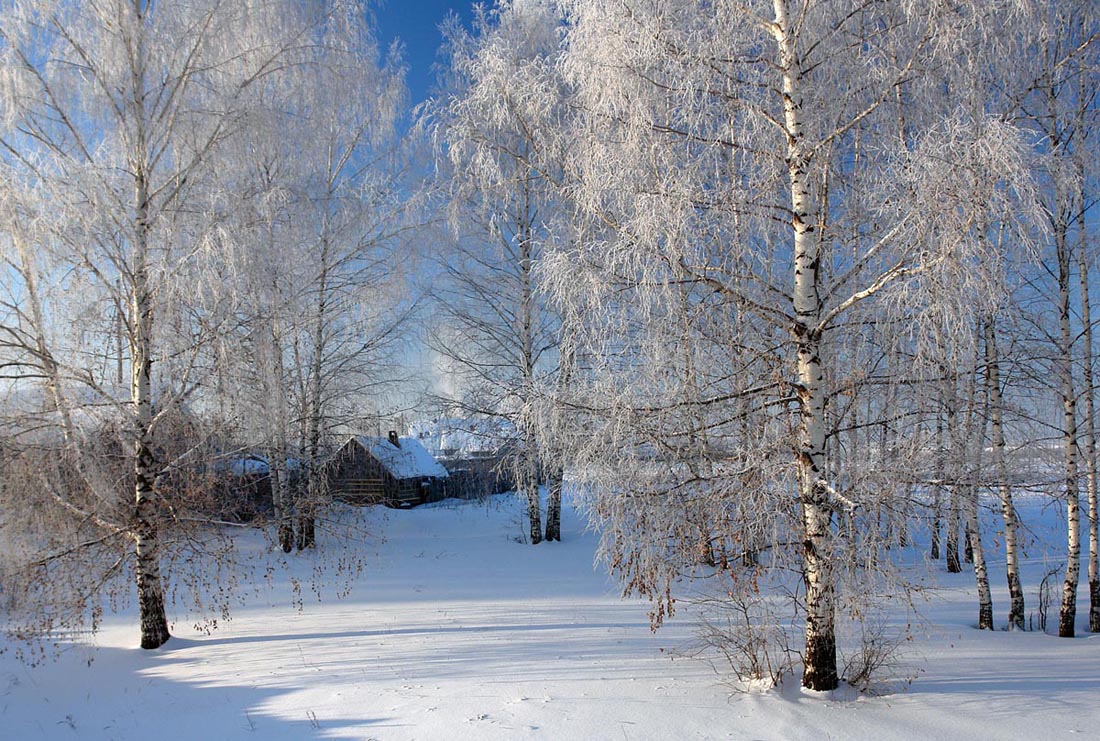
(394, 439)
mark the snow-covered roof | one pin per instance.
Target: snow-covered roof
(254, 465)
(408, 461)
(249, 467)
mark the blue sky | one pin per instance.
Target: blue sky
(416, 24)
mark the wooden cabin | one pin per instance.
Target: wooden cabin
(395, 471)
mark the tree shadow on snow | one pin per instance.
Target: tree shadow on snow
(471, 641)
(112, 692)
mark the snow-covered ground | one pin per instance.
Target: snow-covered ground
(455, 630)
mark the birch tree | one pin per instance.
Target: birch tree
(998, 73)
(499, 130)
(1057, 100)
(1088, 89)
(995, 400)
(718, 142)
(1092, 476)
(324, 177)
(971, 445)
(271, 269)
(120, 110)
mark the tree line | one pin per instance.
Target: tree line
(818, 279)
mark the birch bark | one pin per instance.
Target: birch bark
(1000, 471)
(154, 623)
(1089, 414)
(819, 659)
(938, 487)
(307, 537)
(280, 488)
(1068, 612)
(953, 493)
(529, 463)
(972, 447)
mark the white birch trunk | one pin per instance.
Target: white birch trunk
(1068, 613)
(974, 535)
(898, 506)
(1090, 425)
(1000, 469)
(553, 504)
(555, 480)
(819, 656)
(981, 575)
(937, 488)
(280, 489)
(529, 482)
(146, 535)
(306, 527)
(953, 491)
(972, 448)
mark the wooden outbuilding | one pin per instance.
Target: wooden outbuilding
(395, 471)
(477, 453)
